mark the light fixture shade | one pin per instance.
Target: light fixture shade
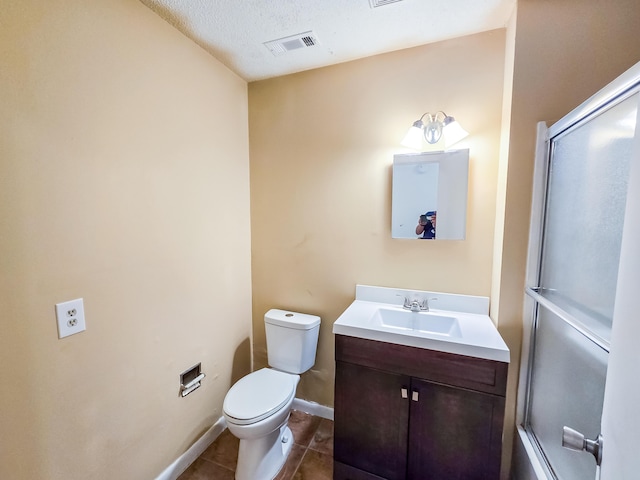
(453, 133)
(413, 138)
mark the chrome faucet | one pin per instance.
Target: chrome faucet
(415, 305)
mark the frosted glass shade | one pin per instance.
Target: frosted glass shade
(413, 139)
(453, 133)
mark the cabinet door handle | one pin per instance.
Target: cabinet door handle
(414, 396)
(404, 392)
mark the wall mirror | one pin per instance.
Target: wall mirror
(429, 196)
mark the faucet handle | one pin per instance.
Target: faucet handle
(406, 302)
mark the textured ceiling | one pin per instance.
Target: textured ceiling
(234, 31)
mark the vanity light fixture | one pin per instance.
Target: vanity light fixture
(432, 128)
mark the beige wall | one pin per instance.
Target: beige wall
(124, 179)
(322, 145)
(565, 51)
(554, 55)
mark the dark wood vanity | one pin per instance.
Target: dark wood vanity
(412, 413)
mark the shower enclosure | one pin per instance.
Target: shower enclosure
(582, 218)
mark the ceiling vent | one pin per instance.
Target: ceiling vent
(381, 3)
(294, 42)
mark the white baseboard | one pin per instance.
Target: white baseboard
(174, 470)
(312, 408)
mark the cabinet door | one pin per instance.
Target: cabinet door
(371, 418)
(454, 434)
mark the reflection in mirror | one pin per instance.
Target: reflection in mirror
(429, 199)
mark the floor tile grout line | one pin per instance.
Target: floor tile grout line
(306, 450)
(323, 452)
(295, 470)
(217, 464)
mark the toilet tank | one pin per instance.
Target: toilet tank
(292, 339)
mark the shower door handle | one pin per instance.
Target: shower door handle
(574, 440)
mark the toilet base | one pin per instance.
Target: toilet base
(262, 458)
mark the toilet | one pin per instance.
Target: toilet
(257, 406)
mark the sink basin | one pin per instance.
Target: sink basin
(420, 321)
(457, 324)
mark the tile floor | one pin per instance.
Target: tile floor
(311, 456)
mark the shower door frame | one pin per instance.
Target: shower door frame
(528, 464)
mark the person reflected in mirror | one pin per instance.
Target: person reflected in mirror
(427, 226)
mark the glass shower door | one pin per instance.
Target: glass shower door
(587, 176)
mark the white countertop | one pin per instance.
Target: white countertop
(477, 335)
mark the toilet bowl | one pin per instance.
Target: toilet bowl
(256, 410)
(257, 406)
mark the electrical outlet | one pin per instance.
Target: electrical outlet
(70, 316)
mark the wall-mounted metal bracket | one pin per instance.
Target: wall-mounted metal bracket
(190, 380)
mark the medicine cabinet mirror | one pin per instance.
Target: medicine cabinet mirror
(430, 189)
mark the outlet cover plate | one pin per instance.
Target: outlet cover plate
(70, 317)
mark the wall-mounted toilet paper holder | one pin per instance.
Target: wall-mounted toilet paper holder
(190, 380)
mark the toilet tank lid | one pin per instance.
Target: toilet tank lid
(285, 318)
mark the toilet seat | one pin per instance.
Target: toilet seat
(258, 396)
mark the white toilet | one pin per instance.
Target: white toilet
(257, 407)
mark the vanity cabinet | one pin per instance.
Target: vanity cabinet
(411, 413)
